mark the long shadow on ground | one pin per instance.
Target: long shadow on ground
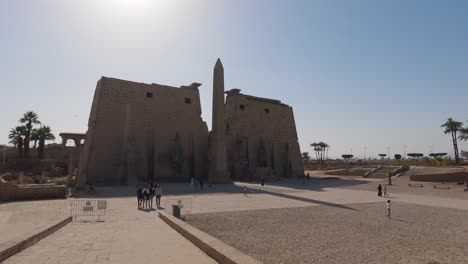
(313, 184)
(307, 200)
(167, 189)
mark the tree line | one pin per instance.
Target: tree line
(21, 136)
(320, 149)
(452, 127)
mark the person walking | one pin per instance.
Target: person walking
(158, 192)
(201, 183)
(385, 190)
(262, 180)
(151, 195)
(308, 176)
(388, 210)
(245, 191)
(379, 190)
(145, 197)
(139, 196)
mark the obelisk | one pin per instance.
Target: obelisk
(218, 143)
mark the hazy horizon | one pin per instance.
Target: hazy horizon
(358, 74)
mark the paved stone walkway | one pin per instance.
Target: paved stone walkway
(126, 236)
(20, 220)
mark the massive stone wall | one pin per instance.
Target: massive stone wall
(154, 132)
(139, 131)
(261, 137)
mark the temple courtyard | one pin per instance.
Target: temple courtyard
(321, 220)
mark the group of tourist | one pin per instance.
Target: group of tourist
(385, 194)
(385, 190)
(145, 196)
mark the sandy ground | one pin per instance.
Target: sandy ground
(362, 234)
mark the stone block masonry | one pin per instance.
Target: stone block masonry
(261, 137)
(147, 132)
(152, 132)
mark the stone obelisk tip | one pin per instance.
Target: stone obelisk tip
(218, 63)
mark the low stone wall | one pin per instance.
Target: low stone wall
(366, 175)
(401, 169)
(17, 247)
(349, 172)
(14, 192)
(216, 249)
(443, 177)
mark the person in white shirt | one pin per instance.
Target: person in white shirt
(158, 193)
(388, 209)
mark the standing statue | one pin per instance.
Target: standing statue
(177, 155)
(262, 155)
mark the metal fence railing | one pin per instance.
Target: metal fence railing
(88, 208)
(185, 205)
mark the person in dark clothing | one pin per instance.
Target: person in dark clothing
(262, 180)
(308, 176)
(139, 196)
(146, 196)
(201, 183)
(379, 190)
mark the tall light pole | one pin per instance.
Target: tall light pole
(404, 150)
(365, 150)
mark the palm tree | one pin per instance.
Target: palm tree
(316, 149)
(29, 118)
(451, 126)
(43, 133)
(323, 148)
(16, 138)
(320, 149)
(305, 157)
(463, 134)
(34, 137)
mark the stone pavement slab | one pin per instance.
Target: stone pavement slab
(127, 235)
(20, 220)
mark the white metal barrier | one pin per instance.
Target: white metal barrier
(88, 208)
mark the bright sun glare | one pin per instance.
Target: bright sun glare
(135, 7)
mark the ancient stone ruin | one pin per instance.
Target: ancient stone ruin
(155, 132)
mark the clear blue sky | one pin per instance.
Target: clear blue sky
(357, 73)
